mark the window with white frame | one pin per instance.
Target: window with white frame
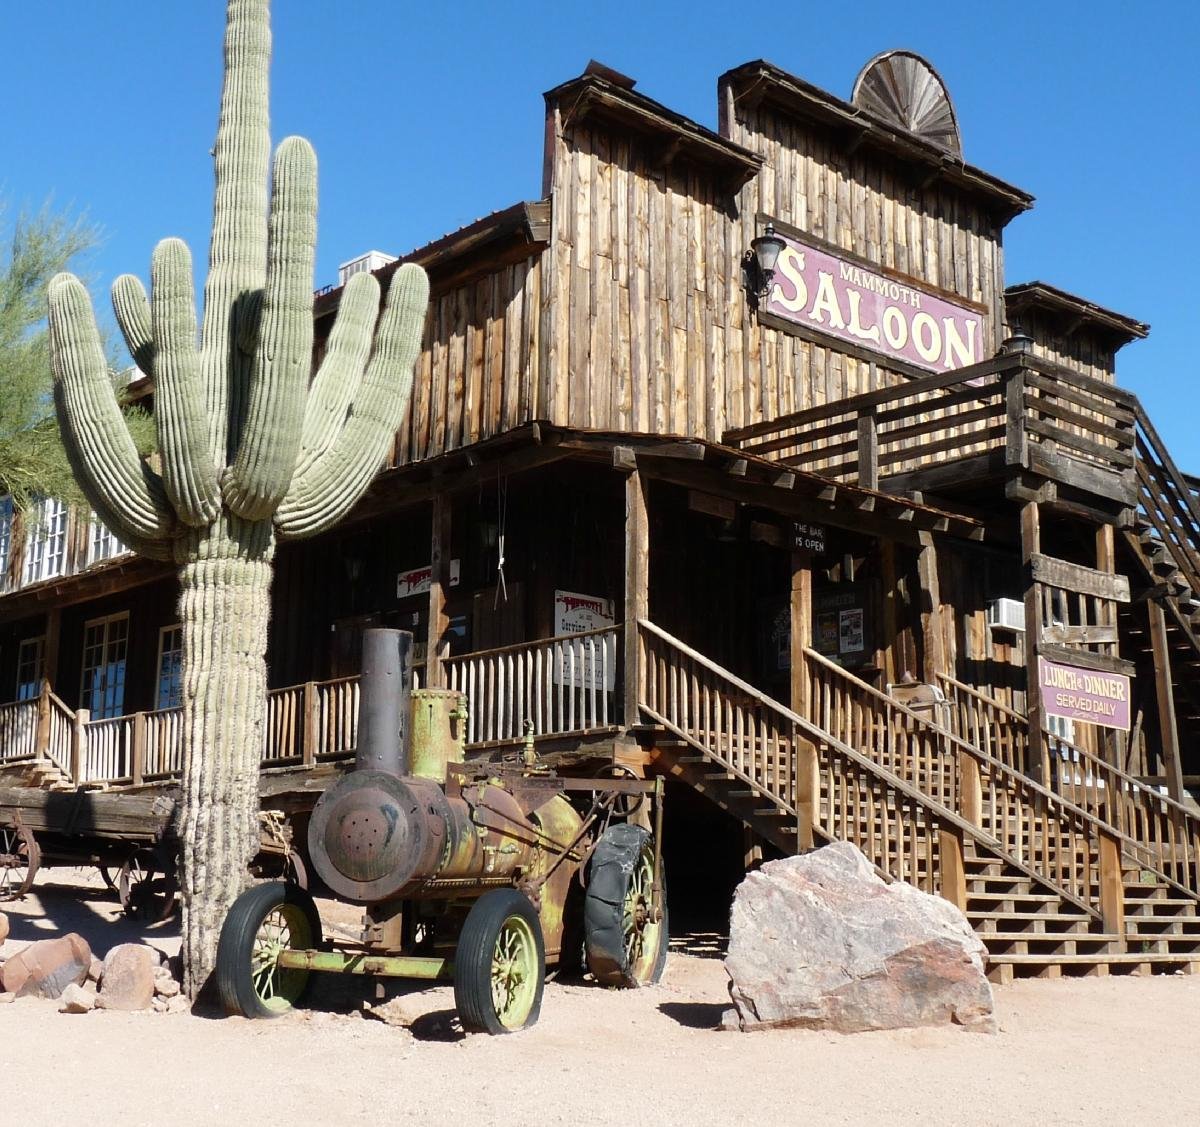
(6, 523)
(105, 649)
(46, 546)
(102, 544)
(169, 690)
(31, 656)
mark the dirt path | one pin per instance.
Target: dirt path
(1087, 1051)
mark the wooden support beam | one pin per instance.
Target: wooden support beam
(954, 869)
(868, 449)
(50, 645)
(885, 657)
(933, 646)
(437, 643)
(970, 789)
(1168, 729)
(1114, 744)
(808, 792)
(79, 744)
(312, 723)
(801, 629)
(1112, 890)
(637, 590)
(137, 750)
(1031, 546)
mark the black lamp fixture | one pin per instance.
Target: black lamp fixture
(1017, 343)
(758, 265)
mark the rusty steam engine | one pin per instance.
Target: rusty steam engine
(484, 873)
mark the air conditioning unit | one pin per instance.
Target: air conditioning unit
(1006, 614)
(372, 260)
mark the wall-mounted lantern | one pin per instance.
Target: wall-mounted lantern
(758, 265)
(1017, 343)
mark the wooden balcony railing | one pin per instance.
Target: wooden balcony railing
(1164, 835)
(1015, 410)
(559, 685)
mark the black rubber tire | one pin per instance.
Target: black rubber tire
(473, 961)
(235, 948)
(609, 876)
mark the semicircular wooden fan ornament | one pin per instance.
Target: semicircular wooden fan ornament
(905, 90)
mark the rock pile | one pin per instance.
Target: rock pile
(821, 941)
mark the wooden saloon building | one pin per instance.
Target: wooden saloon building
(735, 459)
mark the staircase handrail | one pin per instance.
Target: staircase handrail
(1049, 797)
(819, 735)
(1116, 779)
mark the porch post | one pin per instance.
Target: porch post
(50, 645)
(933, 643)
(1031, 544)
(801, 629)
(439, 581)
(637, 575)
(1168, 730)
(1112, 741)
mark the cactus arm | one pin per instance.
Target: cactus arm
(106, 461)
(188, 469)
(111, 519)
(338, 379)
(329, 487)
(274, 416)
(237, 253)
(133, 316)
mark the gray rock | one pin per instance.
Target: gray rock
(128, 979)
(179, 1004)
(76, 1000)
(166, 987)
(95, 970)
(820, 941)
(47, 967)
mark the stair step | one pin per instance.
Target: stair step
(1117, 957)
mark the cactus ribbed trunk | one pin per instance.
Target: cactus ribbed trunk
(251, 448)
(224, 607)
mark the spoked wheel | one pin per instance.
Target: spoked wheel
(625, 932)
(147, 884)
(19, 861)
(109, 880)
(265, 921)
(500, 964)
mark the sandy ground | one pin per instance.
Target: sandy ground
(1083, 1051)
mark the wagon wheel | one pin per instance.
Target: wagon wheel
(19, 861)
(147, 885)
(499, 964)
(625, 932)
(109, 880)
(262, 923)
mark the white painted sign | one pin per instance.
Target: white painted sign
(586, 663)
(420, 579)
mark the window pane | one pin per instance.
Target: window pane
(102, 689)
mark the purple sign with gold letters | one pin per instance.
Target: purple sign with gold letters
(1084, 694)
(854, 303)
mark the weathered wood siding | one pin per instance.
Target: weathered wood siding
(643, 318)
(1082, 351)
(477, 374)
(645, 322)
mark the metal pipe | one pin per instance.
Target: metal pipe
(384, 693)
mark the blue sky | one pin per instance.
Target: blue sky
(427, 116)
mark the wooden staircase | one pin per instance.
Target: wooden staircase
(1049, 887)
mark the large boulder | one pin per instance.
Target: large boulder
(127, 982)
(3, 927)
(47, 967)
(821, 941)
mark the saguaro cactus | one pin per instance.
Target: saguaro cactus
(250, 452)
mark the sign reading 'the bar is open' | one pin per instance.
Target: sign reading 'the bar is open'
(1084, 694)
(842, 298)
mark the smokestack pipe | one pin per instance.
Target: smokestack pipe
(383, 703)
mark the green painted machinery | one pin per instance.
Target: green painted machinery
(482, 873)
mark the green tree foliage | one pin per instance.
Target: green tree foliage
(33, 248)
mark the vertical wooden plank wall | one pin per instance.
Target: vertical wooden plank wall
(645, 324)
(477, 374)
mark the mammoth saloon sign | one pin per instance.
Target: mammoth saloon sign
(843, 298)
